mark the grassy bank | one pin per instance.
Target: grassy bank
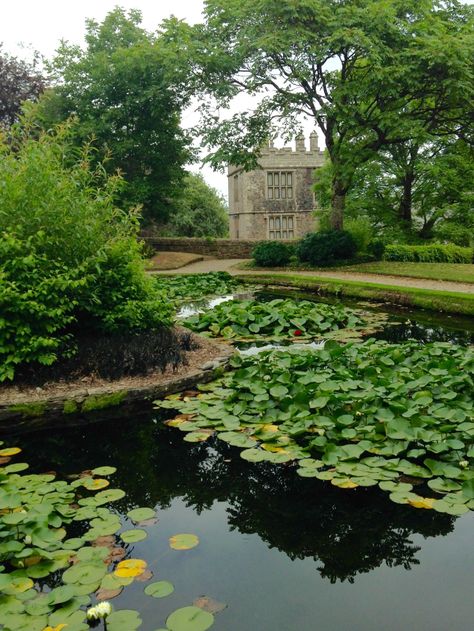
(441, 301)
(456, 272)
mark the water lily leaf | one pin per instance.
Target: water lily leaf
(111, 495)
(84, 573)
(104, 471)
(160, 589)
(253, 455)
(190, 619)
(16, 467)
(140, 514)
(130, 568)
(443, 486)
(183, 542)
(96, 484)
(198, 437)
(108, 594)
(237, 439)
(442, 469)
(113, 582)
(133, 536)
(123, 620)
(422, 502)
(144, 577)
(468, 489)
(209, 604)
(10, 451)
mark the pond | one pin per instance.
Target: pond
(277, 552)
(283, 553)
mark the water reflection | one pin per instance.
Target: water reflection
(346, 533)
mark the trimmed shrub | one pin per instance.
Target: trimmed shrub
(70, 261)
(272, 254)
(326, 247)
(435, 253)
(376, 248)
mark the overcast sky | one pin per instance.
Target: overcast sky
(42, 23)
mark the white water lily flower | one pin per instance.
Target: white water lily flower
(464, 464)
(102, 610)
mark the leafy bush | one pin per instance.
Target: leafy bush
(435, 253)
(69, 260)
(376, 248)
(278, 319)
(323, 248)
(361, 231)
(272, 254)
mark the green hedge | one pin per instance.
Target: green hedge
(272, 254)
(435, 253)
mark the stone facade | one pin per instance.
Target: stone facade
(275, 201)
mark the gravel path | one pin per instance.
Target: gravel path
(228, 265)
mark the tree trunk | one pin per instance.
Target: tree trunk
(336, 218)
(406, 201)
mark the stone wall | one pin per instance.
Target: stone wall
(218, 248)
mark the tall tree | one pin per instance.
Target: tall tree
(121, 92)
(369, 73)
(20, 81)
(200, 211)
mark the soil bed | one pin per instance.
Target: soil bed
(36, 406)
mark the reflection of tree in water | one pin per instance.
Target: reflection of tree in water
(424, 333)
(347, 532)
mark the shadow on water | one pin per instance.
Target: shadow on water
(347, 533)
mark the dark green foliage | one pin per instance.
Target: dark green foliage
(69, 259)
(114, 356)
(323, 248)
(376, 248)
(435, 253)
(120, 91)
(199, 211)
(272, 254)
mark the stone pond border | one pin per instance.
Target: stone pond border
(89, 403)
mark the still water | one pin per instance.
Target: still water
(284, 553)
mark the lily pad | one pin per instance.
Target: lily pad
(183, 542)
(140, 514)
(160, 589)
(130, 568)
(189, 619)
(133, 536)
(104, 471)
(124, 620)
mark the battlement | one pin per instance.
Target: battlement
(299, 148)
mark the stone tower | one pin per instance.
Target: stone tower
(276, 200)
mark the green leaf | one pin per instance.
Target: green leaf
(189, 619)
(141, 514)
(133, 536)
(160, 589)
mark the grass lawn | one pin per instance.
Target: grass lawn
(434, 271)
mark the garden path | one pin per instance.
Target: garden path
(230, 266)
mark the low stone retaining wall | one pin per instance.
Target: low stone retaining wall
(218, 248)
(88, 404)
